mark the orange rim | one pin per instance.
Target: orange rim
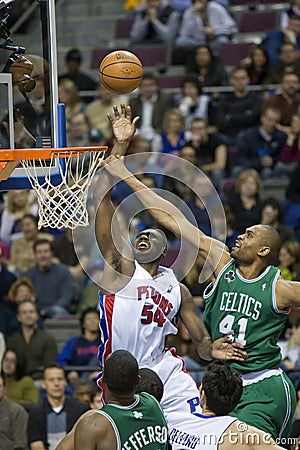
(43, 153)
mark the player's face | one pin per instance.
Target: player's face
(246, 246)
(149, 245)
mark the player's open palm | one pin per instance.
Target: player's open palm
(226, 350)
(123, 125)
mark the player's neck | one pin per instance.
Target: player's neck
(152, 268)
(249, 272)
(120, 400)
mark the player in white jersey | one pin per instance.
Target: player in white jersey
(139, 300)
(214, 428)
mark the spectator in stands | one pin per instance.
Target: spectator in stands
(290, 154)
(38, 347)
(150, 105)
(78, 130)
(178, 179)
(259, 147)
(290, 349)
(69, 95)
(79, 350)
(20, 388)
(53, 282)
(272, 214)
(289, 62)
(289, 261)
(257, 65)
(237, 110)
(192, 103)
(245, 202)
(54, 417)
(18, 204)
(22, 255)
(294, 9)
(96, 399)
(211, 151)
(207, 68)
(157, 22)
(82, 390)
(205, 22)
(7, 278)
(83, 81)
(274, 40)
(288, 101)
(172, 137)
(13, 422)
(292, 214)
(96, 111)
(22, 289)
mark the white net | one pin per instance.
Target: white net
(63, 205)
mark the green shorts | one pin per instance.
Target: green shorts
(268, 405)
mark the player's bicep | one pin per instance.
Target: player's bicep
(287, 294)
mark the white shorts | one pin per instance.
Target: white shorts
(181, 395)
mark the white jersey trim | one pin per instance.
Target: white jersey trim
(113, 424)
(274, 302)
(253, 280)
(288, 405)
(206, 295)
(255, 377)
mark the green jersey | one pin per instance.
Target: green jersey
(138, 426)
(246, 311)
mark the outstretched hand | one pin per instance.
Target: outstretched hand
(123, 126)
(227, 350)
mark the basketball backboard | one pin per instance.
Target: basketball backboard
(30, 116)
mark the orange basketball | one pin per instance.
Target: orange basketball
(121, 72)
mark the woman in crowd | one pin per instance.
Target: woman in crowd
(18, 204)
(22, 289)
(207, 68)
(245, 202)
(69, 95)
(19, 388)
(289, 260)
(257, 65)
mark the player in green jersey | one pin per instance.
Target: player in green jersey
(127, 420)
(247, 301)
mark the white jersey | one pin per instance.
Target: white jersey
(199, 432)
(139, 318)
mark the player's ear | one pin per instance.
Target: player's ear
(264, 251)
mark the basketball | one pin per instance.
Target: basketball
(121, 72)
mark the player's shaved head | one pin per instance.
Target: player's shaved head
(270, 237)
(121, 372)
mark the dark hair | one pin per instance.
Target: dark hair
(121, 372)
(20, 364)
(42, 242)
(193, 79)
(150, 76)
(223, 387)
(32, 217)
(272, 201)
(271, 238)
(150, 383)
(53, 365)
(84, 313)
(74, 55)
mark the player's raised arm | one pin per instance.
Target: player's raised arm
(170, 217)
(287, 294)
(123, 128)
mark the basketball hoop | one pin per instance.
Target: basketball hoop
(61, 205)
